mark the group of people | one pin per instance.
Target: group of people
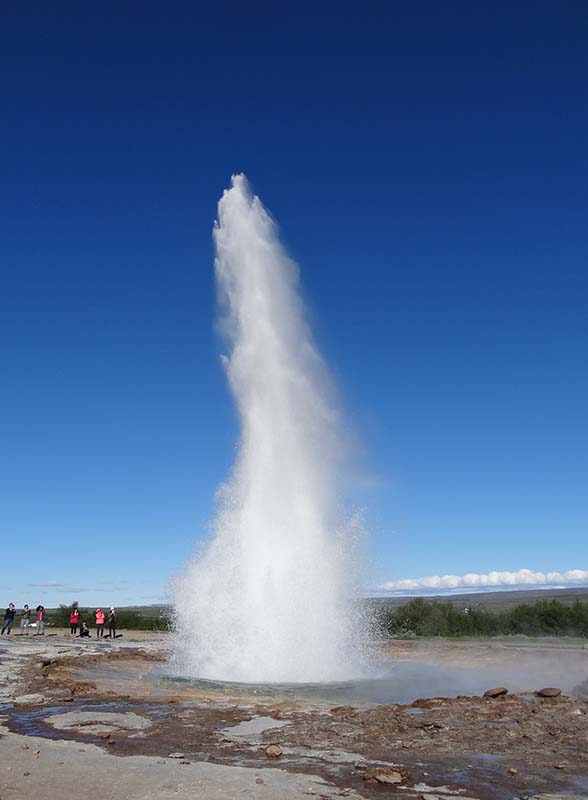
(74, 621)
(25, 619)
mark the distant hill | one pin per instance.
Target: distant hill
(491, 601)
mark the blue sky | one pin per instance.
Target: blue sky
(427, 166)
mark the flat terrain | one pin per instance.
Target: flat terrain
(98, 719)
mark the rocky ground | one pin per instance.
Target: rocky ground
(79, 720)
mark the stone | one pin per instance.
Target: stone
(61, 694)
(513, 771)
(24, 747)
(97, 722)
(177, 755)
(34, 699)
(548, 691)
(273, 751)
(390, 777)
(499, 691)
(259, 781)
(387, 775)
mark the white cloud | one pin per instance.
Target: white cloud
(473, 580)
(49, 584)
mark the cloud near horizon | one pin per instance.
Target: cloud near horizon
(473, 580)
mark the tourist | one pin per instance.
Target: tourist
(74, 618)
(8, 619)
(25, 619)
(40, 620)
(112, 623)
(84, 630)
(100, 617)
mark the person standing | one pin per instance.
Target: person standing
(112, 623)
(74, 618)
(40, 620)
(100, 617)
(8, 619)
(25, 619)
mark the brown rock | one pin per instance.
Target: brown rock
(273, 751)
(548, 691)
(24, 747)
(513, 771)
(499, 691)
(386, 775)
(259, 781)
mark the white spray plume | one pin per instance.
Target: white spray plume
(269, 598)
(522, 577)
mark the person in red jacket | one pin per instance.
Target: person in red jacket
(100, 617)
(40, 620)
(74, 618)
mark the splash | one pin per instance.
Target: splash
(269, 598)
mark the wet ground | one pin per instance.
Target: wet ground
(116, 698)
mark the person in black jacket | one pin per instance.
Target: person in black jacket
(112, 623)
(8, 619)
(25, 620)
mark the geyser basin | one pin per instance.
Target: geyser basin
(401, 673)
(404, 671)
(269, 598)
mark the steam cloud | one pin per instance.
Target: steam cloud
(522, 577)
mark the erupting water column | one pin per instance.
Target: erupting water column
(269, 598)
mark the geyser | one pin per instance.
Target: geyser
(270, 597)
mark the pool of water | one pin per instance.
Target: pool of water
(399, 674)
(33, 723)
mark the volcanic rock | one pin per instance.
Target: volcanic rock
(386, 775)
(273, 751)
(548, 691)
(499, 691)
(30, 699)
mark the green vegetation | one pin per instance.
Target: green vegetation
(542, 618)
(126, 618)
